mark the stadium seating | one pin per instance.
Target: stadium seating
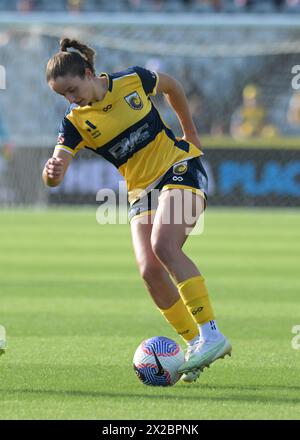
(170, 6)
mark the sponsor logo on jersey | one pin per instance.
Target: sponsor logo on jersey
(94, 133)
(126, 146)
(134, 101)
(107, 108)
(180, 168)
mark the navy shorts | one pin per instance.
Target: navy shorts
(188, 174)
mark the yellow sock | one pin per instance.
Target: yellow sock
(195, 296)
(180, 318)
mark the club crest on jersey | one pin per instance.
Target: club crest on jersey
(134, 101)
(180, 168)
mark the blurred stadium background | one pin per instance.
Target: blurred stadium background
(234, 58)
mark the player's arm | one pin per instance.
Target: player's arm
(177, 99)
(69, 142)
(56, 167)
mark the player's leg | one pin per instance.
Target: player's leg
(158, 282)
(162, 289)
(169, 233)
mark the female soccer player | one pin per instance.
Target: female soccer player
(113, 115)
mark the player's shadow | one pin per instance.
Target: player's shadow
(203, 389)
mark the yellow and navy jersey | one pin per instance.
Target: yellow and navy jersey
(126, 129)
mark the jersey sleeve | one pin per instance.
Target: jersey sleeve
(148, 78)
(69, 139)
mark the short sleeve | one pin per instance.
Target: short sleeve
(148, 78)
(69, 139)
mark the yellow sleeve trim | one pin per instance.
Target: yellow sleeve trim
(71, 150)
(64, 148)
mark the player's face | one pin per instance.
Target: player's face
(74, 89)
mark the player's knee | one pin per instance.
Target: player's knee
(165, 250)
(151, 271)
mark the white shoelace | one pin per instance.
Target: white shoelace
(191, 348)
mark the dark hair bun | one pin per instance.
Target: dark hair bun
(64, 44)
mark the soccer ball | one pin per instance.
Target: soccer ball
(156, 361)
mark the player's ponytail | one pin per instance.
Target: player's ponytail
(71, 62)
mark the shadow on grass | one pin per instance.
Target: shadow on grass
(233, 397)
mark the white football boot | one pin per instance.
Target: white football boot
(192, 375)
(204, 353)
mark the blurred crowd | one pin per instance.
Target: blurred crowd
(240, 96)
(267, 6)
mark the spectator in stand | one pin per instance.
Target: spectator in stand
(74, 5)
(249, 120)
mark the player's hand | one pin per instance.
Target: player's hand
(193, 138)
(55, 168)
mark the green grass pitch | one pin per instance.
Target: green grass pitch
(75, 309)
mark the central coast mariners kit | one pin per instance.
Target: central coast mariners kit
(126, 129)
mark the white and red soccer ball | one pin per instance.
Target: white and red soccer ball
(156, 361)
